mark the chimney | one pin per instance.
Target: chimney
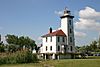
(50, 30)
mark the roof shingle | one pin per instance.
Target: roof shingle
(55, 33)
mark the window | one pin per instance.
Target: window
(71, 48)
(58, 48)
(70, 22)
(63, 39)
(46, 39)
(50, 39)
(70, 30)
(70, 39)
(51, 48)
(46, 48)
(58, 39)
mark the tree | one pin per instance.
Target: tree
(11, 39)
(93, 45)
(2, 48)
(88, 48)
(20, 42)
(77, 48)
(11, 48)
(99, 43)
(26, 42)
(82, 49)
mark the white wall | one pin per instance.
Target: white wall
(48, 44)
(65, 26)
(54, 44)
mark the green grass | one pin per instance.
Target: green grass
(60, 63)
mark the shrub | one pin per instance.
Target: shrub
(93, 57)
(24, 56)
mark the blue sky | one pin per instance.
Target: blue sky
(34, 17)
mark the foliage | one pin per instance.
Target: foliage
(99, 43)
(20, 42)
(11, 48)
(93, 57)
(2, 48)
(11, 39)
(93, 47)
(24, 56)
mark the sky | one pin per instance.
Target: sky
(34, 17)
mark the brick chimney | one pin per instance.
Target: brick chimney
(50, 30)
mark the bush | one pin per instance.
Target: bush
(93, 57)
(18, 57)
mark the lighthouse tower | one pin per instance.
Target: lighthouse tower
(68, 29)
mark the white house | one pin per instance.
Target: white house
(60, 44)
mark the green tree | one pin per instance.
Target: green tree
(82, 49)
(93, 45)
(11, 39)
(20, 42)
(26, 42)
(99, 43)
(88, 48)
(2, 48)
(11, 48)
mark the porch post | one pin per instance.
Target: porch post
(53, 57)
(58, 57)
(45, 56)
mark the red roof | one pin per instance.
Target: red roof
(55, 33)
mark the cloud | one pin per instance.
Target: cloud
(39, 41)
(87, 24)
(80, 34)
(89, 19)
(59, 13)
(89, 13)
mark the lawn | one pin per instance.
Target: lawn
(60, 63)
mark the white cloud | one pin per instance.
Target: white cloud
(89, 19)
(39, 41)
(87, 24)
(59, 13)
(89, 13)
(80, 34)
